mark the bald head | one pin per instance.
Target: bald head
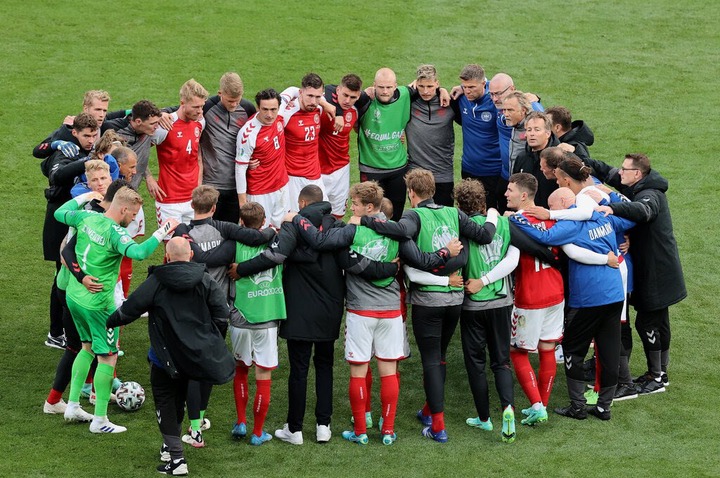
(561, 198)
(500, 85)
(385, 84)
(178, 250)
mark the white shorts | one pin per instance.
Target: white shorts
(181, 212)
(258, 346)
(529, 326)
(276, 205)
(337, 186)
(137, 226)
(295, 185)
(406, 342)
(367, 335)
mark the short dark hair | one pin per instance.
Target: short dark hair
(267, 94)
(84, 120)
(252, 215)
(552, 156)
(470, 196)
(525, 181)
(311, 193)
(311, 80)
(144, 109)
(352, 82)
(421, 182)
(204, 197)
(113, 188)
(561, 116)
(640, 161)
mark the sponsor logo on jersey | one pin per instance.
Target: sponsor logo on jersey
(301, 123)
(179, 134)
(441, 236)
(486, 116)
(264, 276)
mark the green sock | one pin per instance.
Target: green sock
(195, 424)
(103, 385)
(80, 369)
(202, 415)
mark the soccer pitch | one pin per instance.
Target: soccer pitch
(642, 75)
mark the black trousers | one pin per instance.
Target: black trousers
(169, 396)
(444, 193)
(433, 328)
(299, 353)
(56, 306)
(394, 186)
(654, 329)
(582, 325)
(63, 372)
(228, 207)
(491, 185)
(481, 330)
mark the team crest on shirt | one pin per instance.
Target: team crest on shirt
(197, 132)
(377, 114)
(279, 126)
(348, 117)
(441, 236)
(376, 250)
(125, 239)
(316, 118)
(486, 116)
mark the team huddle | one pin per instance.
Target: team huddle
(538, 245)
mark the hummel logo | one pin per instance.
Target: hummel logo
(568, 363)
(267, 139)
(651, 336)
(301, 123)
(179, 134)
(159, 420)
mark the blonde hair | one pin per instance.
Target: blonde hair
(106, 144)
(427, 72)
(93, 95)
(127, 197)
(231, 84)
(96, 165)
(192, 89)
(368, 192)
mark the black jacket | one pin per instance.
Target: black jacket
(184, 306)
(528, 161)
(657, 272)
(580, 136)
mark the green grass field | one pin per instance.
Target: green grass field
(643, 75)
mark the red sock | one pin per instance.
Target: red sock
(598, 371)
(397, 374)
(426, 410)
(261, 405)
(126, 269)
(525, 374)
(357, 403)
(548, 369)
(240, 389)
(54, 396)
(368, 389)
(438, 422)
(389, 392)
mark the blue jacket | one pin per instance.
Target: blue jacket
(481, 149)
(590, 285)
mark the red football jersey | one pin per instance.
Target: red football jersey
(334, 149)
(537, 285)
(302, 132)
(177, 152)
(267, 145)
